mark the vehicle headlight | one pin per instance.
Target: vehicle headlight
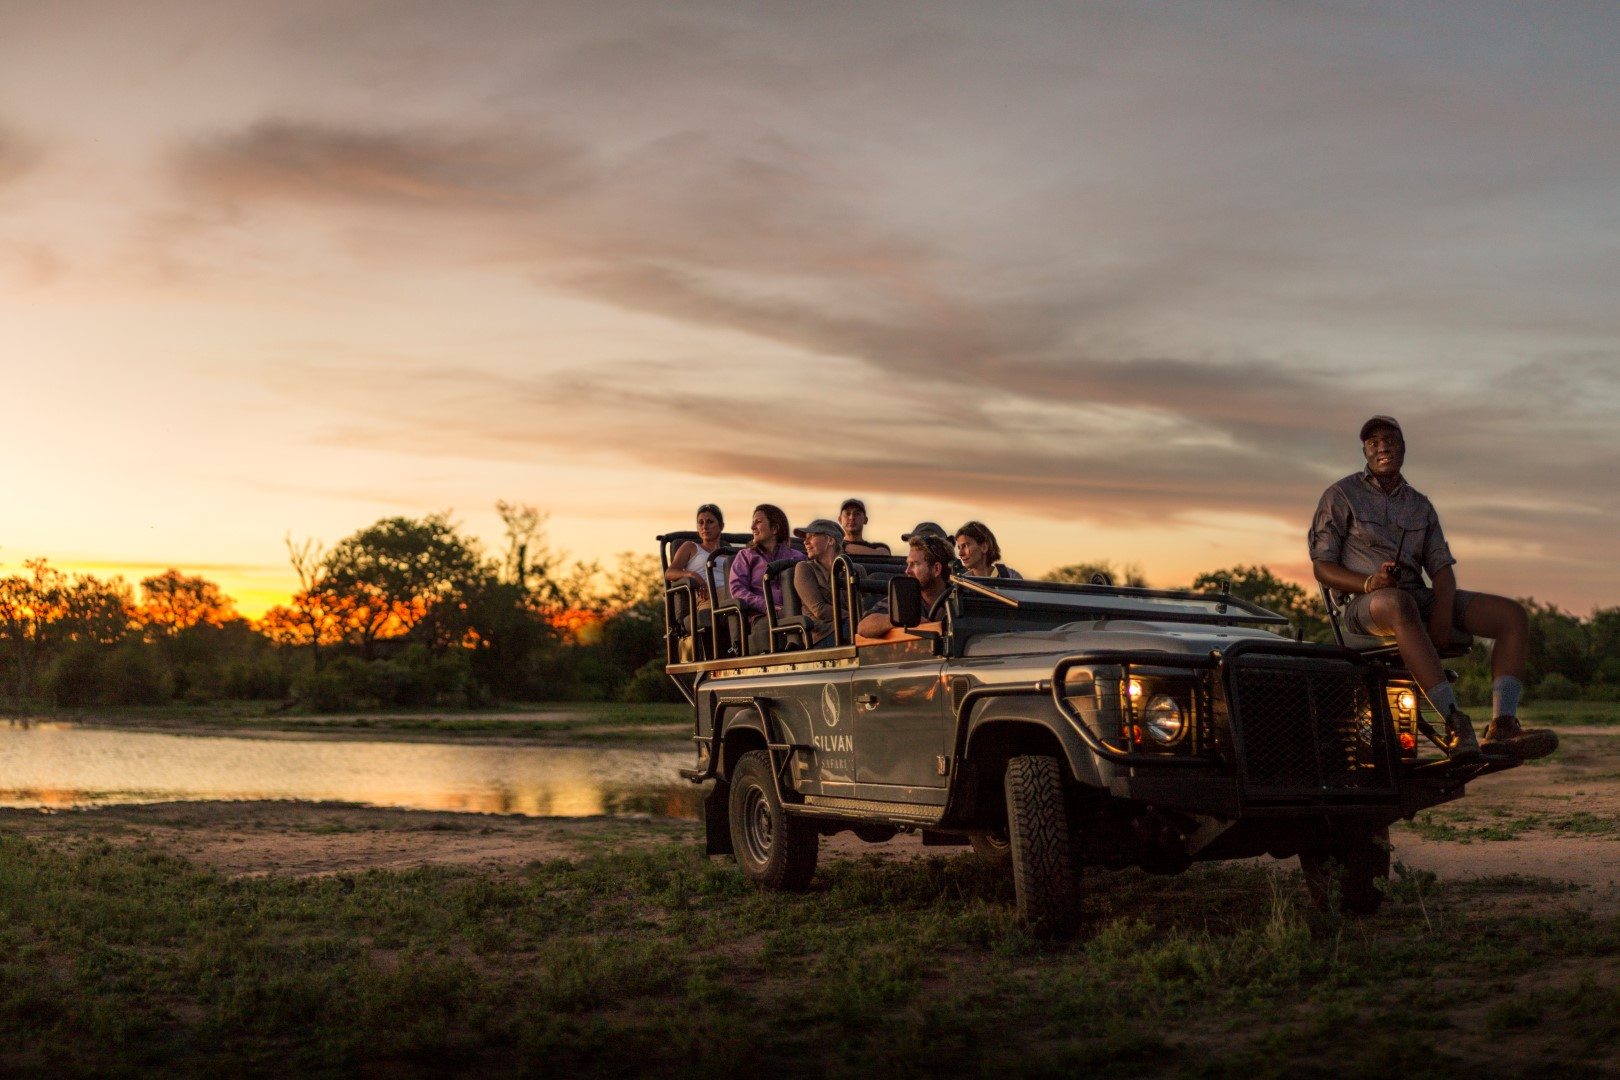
(1406, 701)
(1163, 720)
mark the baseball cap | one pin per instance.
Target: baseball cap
(822, 526)
(1380, 421)
(852, 501)
(927, 528)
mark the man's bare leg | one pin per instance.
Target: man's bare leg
(1393, 611)
(1506, 624)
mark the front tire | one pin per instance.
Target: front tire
(1046, 874)
(775, 849)
(1348, 868)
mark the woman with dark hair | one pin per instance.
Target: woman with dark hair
(770, 543)
(979, 553)
(691, 559)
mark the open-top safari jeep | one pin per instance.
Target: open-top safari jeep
(1054, 726)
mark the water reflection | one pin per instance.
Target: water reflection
(60, 765)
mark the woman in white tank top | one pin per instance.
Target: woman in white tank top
(691, 559)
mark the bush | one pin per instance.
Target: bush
(136, 675)
(338, 686)
(128, 674)
(1473, 688)
(1556, 687)
(263, 678)
(74, 681)
(415, 678)
(649, 683)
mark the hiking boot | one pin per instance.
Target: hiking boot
(1461, 745)
(1503, 735)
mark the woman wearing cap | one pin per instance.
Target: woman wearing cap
(979, 553)
(812, 579)
(770, 543)
(852, 516)
(691, 560)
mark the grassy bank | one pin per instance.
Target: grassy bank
(657, 961)
(572, 722)
(612, 723)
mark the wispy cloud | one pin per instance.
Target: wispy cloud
(424, 169)
(18, 155)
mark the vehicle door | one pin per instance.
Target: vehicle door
(903, 725)
(810, 710)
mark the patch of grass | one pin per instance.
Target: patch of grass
(1571, 713)
(655, 960)
(1466, 826)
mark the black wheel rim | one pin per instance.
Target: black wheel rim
(759, 825)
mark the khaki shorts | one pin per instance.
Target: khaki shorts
(1353, 616)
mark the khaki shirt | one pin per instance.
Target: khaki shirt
(1359, 527)
(813, 583)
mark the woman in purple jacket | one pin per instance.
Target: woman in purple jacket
(770, 543)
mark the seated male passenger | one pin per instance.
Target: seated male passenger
(852, 516)
(929, 562)
(1372, 539)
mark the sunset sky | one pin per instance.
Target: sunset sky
(1121, 280)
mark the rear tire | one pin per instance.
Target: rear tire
(1046, 874)
(1348, 868)
(775, 849)
(993, 846)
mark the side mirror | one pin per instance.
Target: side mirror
(905, 601)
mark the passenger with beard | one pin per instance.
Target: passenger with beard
(929, 562)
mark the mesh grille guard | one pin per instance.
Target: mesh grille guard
(1309, 729)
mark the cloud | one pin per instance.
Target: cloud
(18, 155)
(1112, 268)
(281, 160)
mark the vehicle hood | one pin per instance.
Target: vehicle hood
(1182, 639)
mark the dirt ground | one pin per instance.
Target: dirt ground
(1558, 819)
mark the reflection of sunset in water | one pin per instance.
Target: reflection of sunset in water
(61, 766)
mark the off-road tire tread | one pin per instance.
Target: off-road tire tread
(1046, 874)
(795, 842)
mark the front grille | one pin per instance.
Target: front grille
(1308, 729)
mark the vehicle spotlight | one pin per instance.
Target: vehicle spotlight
(1164, 721)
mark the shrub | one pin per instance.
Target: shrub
(649, 683)
(74, 680)
(134, 674)
(1555, 686)
(338, 686)
(1473, 688)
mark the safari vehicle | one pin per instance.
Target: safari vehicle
(1055, 726)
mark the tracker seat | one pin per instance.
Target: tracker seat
(1384, 648)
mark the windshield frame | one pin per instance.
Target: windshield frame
(1107, 602)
